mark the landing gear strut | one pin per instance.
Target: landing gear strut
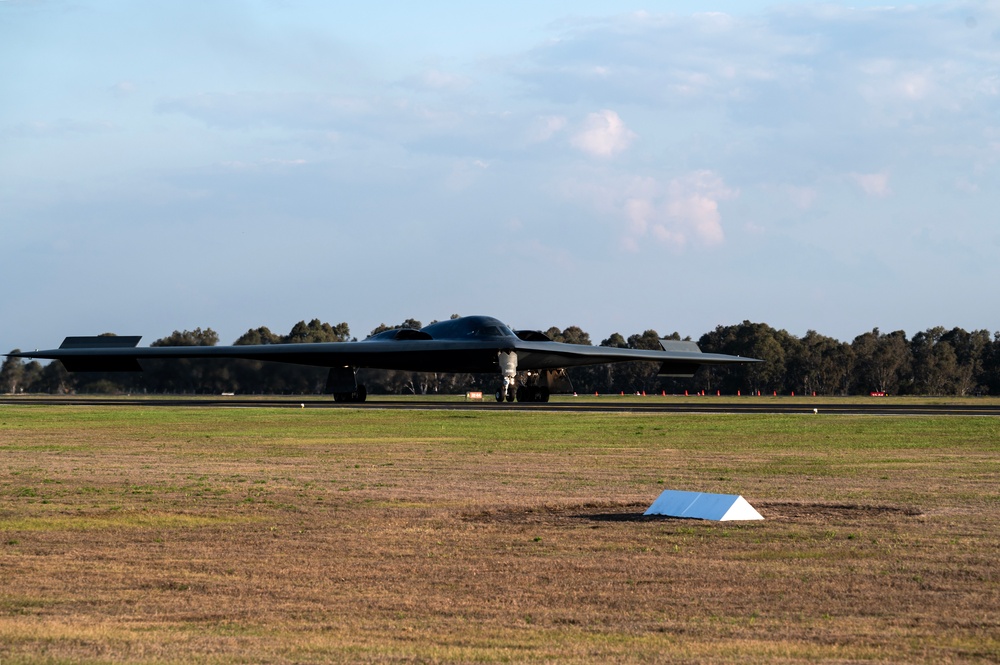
(508, 368)
(534, 386)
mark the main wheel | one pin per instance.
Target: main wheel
(499, 395)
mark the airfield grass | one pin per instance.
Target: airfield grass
(163, 535)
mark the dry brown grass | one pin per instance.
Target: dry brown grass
(170, 535)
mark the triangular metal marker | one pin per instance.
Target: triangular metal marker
(703, 506)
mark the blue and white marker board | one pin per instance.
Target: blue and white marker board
(702, 506)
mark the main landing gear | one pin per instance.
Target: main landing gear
(342, 383)
(532, 394)
(358, 395)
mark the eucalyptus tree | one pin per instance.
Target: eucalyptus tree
(822, 365)
(753, 340)
(884, 362)
(12, 374)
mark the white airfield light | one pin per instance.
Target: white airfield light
(702, 506)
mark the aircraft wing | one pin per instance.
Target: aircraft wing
(112, 354)
(121, 354)
(676, 358)
(476, 344)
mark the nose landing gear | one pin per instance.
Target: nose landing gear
(508, 368)
(530, 386)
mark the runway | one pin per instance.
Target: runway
(610, 404)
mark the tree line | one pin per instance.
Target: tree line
(936, 361)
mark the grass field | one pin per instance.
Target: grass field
(152, 535)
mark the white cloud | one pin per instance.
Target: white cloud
(846, 69)
(895, 89)
(678, 213)
(872, 184)
(686, 210)
(603, 134)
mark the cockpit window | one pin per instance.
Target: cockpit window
(492, 331)
(469, 327)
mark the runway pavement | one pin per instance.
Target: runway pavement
(611, 404)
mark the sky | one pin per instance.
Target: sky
(620, 167)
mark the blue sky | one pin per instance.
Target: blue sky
(166, 166)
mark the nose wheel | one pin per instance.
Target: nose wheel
(508, 391)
